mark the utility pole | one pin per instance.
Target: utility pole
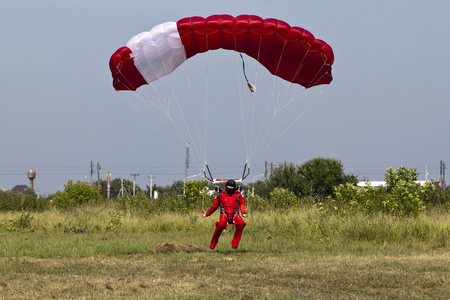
(122, 188)
(92, 170)
(134, 183)
(108, 185)
(151, 185)
(265, 170)
(442, 175)
(188, 159)
(98, 174)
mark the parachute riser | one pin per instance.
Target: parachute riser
(216, 181)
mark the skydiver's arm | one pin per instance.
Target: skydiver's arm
(213, 207)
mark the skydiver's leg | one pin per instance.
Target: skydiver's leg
(240, 224)
(220, 226)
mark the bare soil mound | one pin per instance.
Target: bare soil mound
(179, 247)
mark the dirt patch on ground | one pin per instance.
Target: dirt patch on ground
(179, 247)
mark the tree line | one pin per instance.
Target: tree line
(320, 181)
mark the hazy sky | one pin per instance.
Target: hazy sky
(388, 105)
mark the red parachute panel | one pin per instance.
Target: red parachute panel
(124, 72)
(291, 53)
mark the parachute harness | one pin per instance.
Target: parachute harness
(236, 212)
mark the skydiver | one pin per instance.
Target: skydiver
(230, 201)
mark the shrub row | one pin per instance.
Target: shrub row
(401, 197)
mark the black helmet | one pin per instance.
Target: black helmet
(231, 183)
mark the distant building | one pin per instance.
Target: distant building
(383, 183)
(19, 189)
(371, 183)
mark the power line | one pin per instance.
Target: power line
(188, 159)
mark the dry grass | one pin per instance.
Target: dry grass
(201, 274)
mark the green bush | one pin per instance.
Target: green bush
(76, 194)
(256, 203)
(282, 199)
(401, 197)
(195, 192)
(28, 201)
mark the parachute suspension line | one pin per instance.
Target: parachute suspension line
(280, 106)
(172, 90)
(158, 105)
(277, 100)
(293, 122)
(168, 114)
(205, 161)
(147, 103)
(271, 135)
(160, 101)
(261, 130)
(293, 97)
(267, 134)
(166, 99)
(313, 81)
(300, 66)
(246, 142)
(198, 150)
(279, 103)
(304, 110)
(148, 119)
(188, 130)
(296, 74)
(265, 130)
(252, 127)
(164, 105)
(252, 89)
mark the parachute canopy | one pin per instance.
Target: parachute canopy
(291, 53)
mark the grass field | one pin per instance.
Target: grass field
(104, 253)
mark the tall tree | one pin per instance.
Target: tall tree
(320, 175)
(316, 177)
(285, 176)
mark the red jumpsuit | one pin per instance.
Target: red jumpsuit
(229, 214)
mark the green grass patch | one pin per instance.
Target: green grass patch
(105, 252)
